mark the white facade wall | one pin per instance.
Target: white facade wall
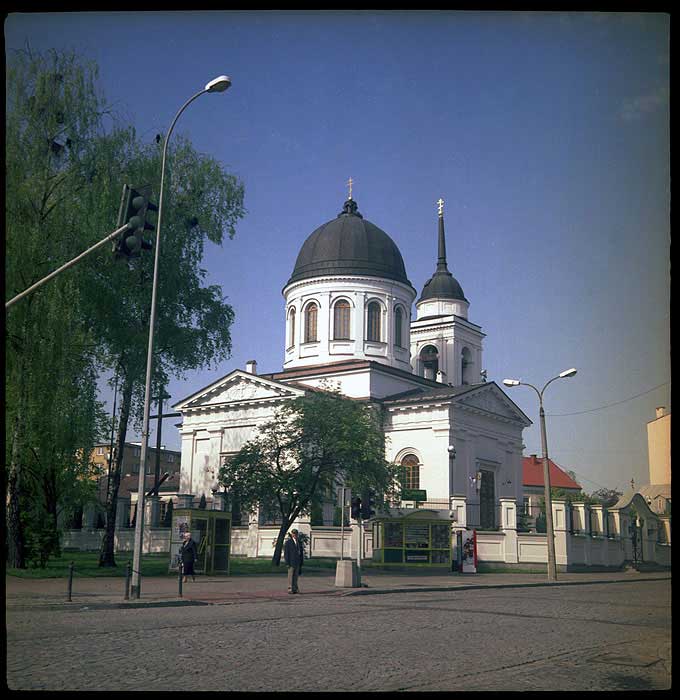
(449, 334)
(359, 292)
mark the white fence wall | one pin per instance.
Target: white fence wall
(505, 546)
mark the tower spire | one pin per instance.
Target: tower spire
(441, 258)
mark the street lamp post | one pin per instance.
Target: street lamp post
(452, 455)
(219, 84)
(552, 566)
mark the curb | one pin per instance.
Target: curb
(482, 586)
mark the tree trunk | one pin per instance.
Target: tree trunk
(16, 550)
(106, 554)
(286, 522)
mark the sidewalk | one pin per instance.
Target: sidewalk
(164, 591)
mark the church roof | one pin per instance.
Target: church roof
(442, 285)
(349, 245)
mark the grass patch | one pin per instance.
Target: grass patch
(86, 564)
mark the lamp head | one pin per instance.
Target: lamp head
(219, 84)
(452, 450)
(511, 382)
(568, 373)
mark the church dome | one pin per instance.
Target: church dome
(349, 245)
(442, 285)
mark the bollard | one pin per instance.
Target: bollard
(70, 580)
(128, 573)
(179, 578)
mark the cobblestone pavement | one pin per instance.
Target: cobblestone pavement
(601, 636)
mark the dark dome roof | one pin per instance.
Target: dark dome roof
(442, 285)
(349, 245)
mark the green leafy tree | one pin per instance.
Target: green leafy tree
(312, 442)
(202, 204)
(52, 414)
(607, 497)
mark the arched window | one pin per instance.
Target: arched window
(429, 358)
(410, 472)
(291, 326)
(465, 366)
(373, 317)
(398, 327)
(341, 313)
(311, 314)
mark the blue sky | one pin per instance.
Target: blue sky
(546, 134)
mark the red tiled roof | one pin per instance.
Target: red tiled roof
(532, 474)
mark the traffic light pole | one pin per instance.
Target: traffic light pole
(35, 286)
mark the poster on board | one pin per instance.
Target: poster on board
(469, 558)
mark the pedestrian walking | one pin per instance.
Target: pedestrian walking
(189, 553)
(293, 555)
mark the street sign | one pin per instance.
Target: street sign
(348, 496)
(414, 495)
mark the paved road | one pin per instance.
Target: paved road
(609, 636)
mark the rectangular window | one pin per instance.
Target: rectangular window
(100, 450)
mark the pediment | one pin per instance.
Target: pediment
(490, 399)
(238, 387)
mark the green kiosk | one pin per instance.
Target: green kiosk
(211, 530)
(413, 537)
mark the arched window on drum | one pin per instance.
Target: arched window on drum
(341, 320)
(373, 318)
(311, 315)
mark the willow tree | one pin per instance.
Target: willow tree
(68, 157)
(312, 443)
(53, 113)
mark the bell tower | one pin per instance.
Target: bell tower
(445, 346)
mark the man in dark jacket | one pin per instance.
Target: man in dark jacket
(293, 554)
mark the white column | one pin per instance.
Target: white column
(458, 506)
(122, 512)
(561, 532)
(509, 527)
(253, 540)
(152, 511)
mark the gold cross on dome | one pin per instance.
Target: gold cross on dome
(440, 202)
(349, 182)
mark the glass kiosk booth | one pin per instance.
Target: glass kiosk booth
(413, 537)
(211, 530)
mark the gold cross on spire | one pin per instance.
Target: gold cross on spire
(440, 202)
(349, 182)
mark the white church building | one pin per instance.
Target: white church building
(349, 322)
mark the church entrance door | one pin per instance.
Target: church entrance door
(487, 501)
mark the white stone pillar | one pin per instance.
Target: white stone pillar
(219, 501)
(89, 516)
(459, 507)
(303, 524)
(579, 511)
(185, 500)
(561, 532)
(122, 512)
(509, 528)
(598, 519)
(253, 539)
(152, 511)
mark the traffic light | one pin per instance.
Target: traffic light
(134, 206)
(355, 507)
(367, 505)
